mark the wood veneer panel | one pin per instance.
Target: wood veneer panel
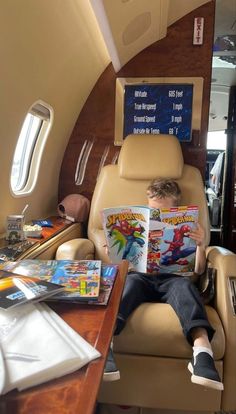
(172, 56)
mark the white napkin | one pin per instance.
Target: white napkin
(37, 346)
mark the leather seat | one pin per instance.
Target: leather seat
(151, 352)
(154, 329)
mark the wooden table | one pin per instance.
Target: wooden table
(22, 249)
(74, 393)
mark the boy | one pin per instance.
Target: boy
(178, 291)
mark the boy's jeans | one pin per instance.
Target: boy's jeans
(177, 291)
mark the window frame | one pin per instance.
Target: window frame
(25, 185)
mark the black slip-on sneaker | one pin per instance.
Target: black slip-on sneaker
(204, 372)
(111, 373)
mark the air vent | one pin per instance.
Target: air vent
(232, 292)
(82, 162)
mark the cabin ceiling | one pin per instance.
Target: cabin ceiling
(129, 26)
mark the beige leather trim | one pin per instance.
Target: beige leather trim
(76, 249)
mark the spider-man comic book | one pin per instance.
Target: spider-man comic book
(152, 240)
(170, 249)
(126, 230)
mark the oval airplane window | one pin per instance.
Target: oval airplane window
(29, 148)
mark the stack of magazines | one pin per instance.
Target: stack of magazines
(77, 281)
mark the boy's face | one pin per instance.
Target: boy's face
(166, 202)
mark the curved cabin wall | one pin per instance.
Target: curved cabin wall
(52, 51)
(172, 56)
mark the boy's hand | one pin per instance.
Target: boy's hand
(106, 249)
(198, 234)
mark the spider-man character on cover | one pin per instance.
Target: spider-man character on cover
(176, 253)
(126, 234)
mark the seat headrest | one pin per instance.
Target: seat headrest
(144, 157)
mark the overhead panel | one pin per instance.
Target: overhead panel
(129, 26)
(135, 24)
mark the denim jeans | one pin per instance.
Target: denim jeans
(177, 291)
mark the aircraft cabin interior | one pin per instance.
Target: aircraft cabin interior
(98, 99)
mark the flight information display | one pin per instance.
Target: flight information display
(158, 109)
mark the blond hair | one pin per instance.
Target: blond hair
(164, 188)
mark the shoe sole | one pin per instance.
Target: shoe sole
(204, 381)
(111, 376)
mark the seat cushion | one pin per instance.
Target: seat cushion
(154, 329)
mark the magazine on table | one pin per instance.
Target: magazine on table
(80, 278)
(16, 289)
(108, 277)
(152, 240)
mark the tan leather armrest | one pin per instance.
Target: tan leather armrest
(76, 249)
(224, 261)
(216, 254)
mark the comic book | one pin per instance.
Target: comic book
(170, 249)
(126, 231)
(108, 277)
(16, 289)
(152, 240)
(80, 278)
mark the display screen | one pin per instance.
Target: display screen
(158, 109)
